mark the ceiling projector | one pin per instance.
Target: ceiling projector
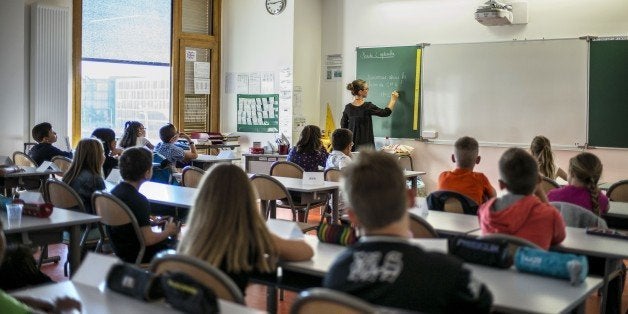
(494, 13)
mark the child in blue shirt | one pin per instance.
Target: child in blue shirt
(45, 136)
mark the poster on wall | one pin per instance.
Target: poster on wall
(258, 113)
(333, 67)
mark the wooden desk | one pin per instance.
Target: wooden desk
(512, 291)
(102, 300)
(260, 163)
(206, 161)
(60, 219)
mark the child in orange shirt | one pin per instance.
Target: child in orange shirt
(463, 180)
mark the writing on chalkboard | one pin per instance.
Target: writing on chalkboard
(378, 55)
(384, 84)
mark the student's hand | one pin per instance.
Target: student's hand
(185, 136)
(66, 305)
(171, 228)
(394, 95)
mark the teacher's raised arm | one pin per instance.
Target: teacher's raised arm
(357, 114)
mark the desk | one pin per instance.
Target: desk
(296, 185)
(413, 176)
(60, 219)
(618, 210)
(164, 194)
(102, 300)
(444, 222)
(512, 291)
(11, 180)
(206, 161)
(260, 163)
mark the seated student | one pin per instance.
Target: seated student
(136, 167)
(309, 152)
(19, 305)
(135, 136)
(384, 268)
(463, 180)
(585, 170)
(229, 233)
(108, 138)
(541, 149)
(341, 142)
(519, 212)
(175, 154)
(44, 135)
(85, 173)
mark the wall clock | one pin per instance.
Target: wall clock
(275, 7)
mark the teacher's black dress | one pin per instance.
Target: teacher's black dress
(358, 120)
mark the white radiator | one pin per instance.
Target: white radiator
(50, 67)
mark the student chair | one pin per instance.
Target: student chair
(191, 176)
(63, 163)
(618, 191)
(306, 201)
(406, 162)
(206, 274)
(332, 174)
(61, 195)
(113, 212)
(321, 300)
(269, 191)
(548, 184)
(452, 202)
(23, 160)
(578, 216)
(420, 228)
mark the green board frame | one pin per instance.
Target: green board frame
(258, 113)
(608, 93)
(393, 68)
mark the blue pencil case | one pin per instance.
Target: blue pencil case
(559, 265)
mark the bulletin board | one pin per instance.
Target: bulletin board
(258, 113)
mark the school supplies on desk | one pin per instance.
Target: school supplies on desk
(607, 233)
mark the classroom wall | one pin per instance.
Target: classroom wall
(407, 22)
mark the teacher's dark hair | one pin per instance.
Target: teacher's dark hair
(356, 86)
(310, 139)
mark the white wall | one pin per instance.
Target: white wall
(252, 41)
(407, 22)
(13, 76)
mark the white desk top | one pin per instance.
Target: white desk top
(511, 290)
(213, 159)
(166, 194)
(59, 218)
(411, 174)
(293, 184)
(96, 300)
(450, 223)
(29, 172)
(579, 242)
(618, 209)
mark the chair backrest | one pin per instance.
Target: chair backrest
(269, 188)
(21, 159)
(321, 300)
(514, 242)
(191, 176)
(451, 201)
(203, 272)
(332, 174)
(405, 161)
(420, 228)
(63, 163)
(284, 168)
(59, 194)
(618, 191)
(577, 216)
(113, 212)
(548, 184)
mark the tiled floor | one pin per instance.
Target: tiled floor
(256, 294)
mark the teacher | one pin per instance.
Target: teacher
(357, 114)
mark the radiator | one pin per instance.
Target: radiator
(50, 56)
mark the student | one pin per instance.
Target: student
(229, 233)
(167, 148)
(341, 142)
(384, 268)
(108, 138)
(44, 135)
(519, 212)
(135, 135)
(309, 152)
(357, 114)
(585, 170)
(19, 305)
(136, 167)
(463, 180)
(85, 173)
(541, 149)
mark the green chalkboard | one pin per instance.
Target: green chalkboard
(608, 93)
(393, 68)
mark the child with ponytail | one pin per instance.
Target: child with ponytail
(542, 151)
(585, 170)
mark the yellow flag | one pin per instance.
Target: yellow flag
(330, 126)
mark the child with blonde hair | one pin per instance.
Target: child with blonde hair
(541, 149)
(229, 232)
(85, 174)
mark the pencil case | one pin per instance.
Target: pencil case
(559, 265)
